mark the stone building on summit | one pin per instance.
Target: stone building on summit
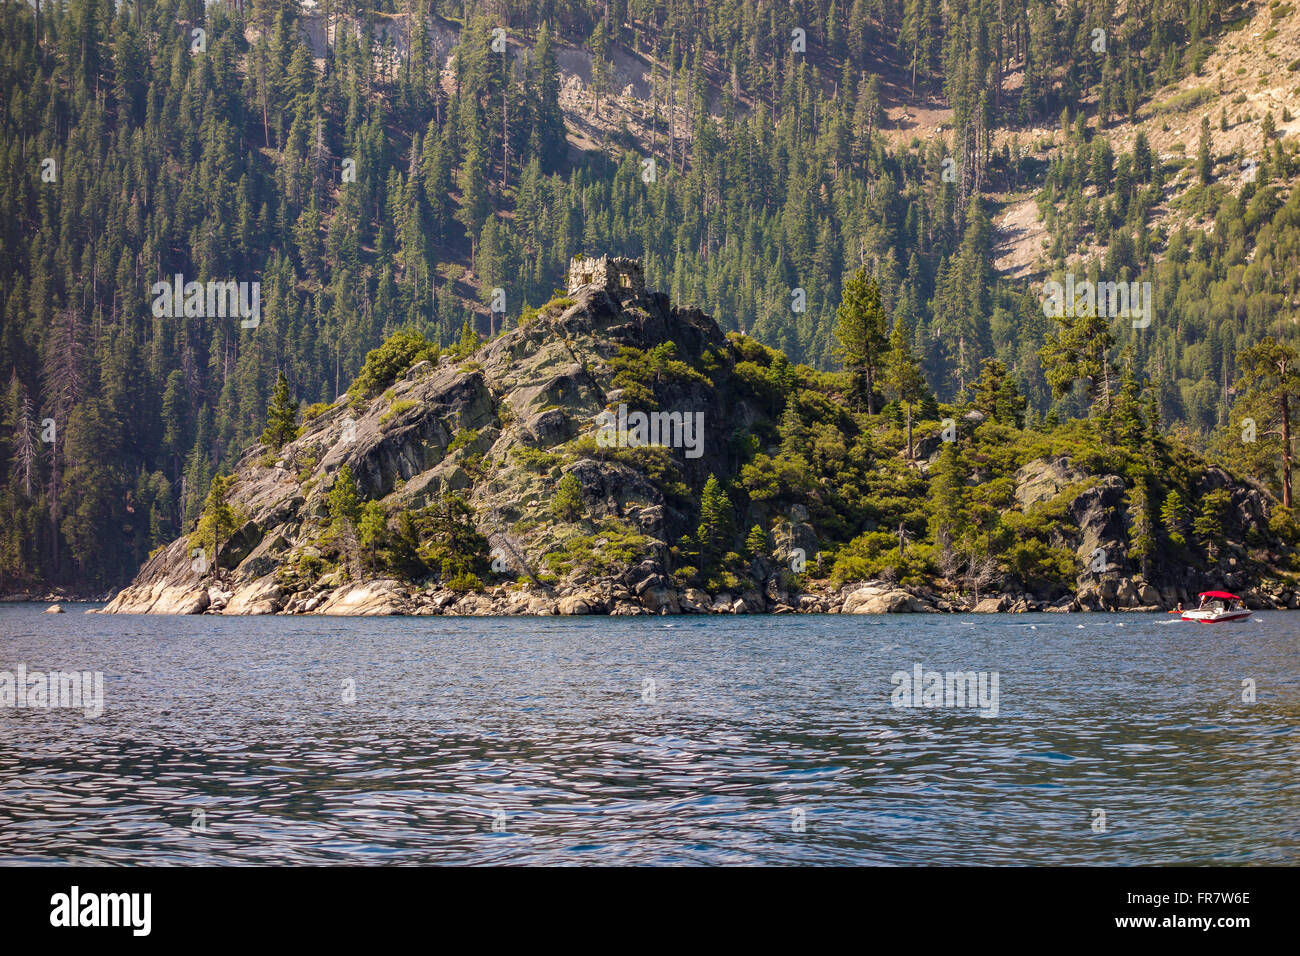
(615, 274)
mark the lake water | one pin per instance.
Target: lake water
(718, 740)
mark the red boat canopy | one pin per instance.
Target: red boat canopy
(1219, 594)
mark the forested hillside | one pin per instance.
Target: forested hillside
(432, 166)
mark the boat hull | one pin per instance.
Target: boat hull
(1216, 617)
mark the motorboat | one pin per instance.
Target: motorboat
(1216, 607)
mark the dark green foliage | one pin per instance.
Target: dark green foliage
(217, 522)
(450, 544)
(1079, 354)
(1269, 385)
(372, 530)
(1208, 525)
(861, 332)
(1173, 518)
(389, 361)
(717, 523)
(877, 555)
(344, 503)
(281, 416)
(997, 396)
(567, 503)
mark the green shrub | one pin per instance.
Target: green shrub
(1186, 100)
(654, 461)
(534, 459)
(876, 555)
(756, 379)
(306, 465)
(386, 363)
(463, 581)
(314, 411)
(466, 436)
(448, 539)
(1039, 565)
(1282, 522)
(638, 371)
(397, 408)
(567, 503)
(344, 502)
(614, 546)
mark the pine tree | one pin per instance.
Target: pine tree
(219, 518)
(1209, 521)
(948, 493)
(372, 529)
(548, 120)
(861, 332)
(23, 442)
(1142, 540)
(567, 503)
(1204, 162)
(281, 416)
(996, 395)
(715, 527)
(794, 433)
(1173, 517)
(1080, 351)
(903, 374)
(343, 501)
(474, 209)
(1269, 385)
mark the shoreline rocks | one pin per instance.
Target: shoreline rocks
(390, 597)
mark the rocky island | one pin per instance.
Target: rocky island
(554, 470)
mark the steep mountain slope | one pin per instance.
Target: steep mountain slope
(1250, 71)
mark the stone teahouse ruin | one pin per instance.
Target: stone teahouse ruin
(615, 274)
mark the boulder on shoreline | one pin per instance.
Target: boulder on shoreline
(876, 599)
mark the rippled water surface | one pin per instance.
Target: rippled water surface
(652, 740)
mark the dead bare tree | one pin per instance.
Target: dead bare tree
(949, 558)
(981, 570)
(24, 442)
